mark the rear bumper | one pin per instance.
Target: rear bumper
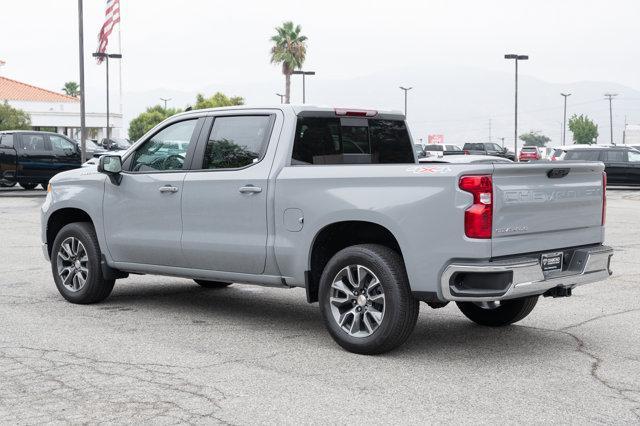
(523, 276)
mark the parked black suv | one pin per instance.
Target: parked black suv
(488, 148)
(622, 164)
(31, 158)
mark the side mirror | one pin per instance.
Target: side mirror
(111, 165)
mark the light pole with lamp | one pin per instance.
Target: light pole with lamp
(106, 57)
(304, 74)
(406, 89)
(516, 58)
(281, 97)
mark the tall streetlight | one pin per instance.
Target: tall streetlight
(405, 89)
(83, 127)
(106, 57)
(304, 74)
(610, 96)
(516, 58)
(165, 100)
(281, 97)
(564, 123)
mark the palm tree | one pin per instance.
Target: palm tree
(290, 50)
(71, 88)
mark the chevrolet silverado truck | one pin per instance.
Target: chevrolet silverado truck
(333, 201)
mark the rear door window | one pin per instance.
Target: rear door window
(321, 140)
(33, 143)
(614, 156)
(583, 155)
(237, 141)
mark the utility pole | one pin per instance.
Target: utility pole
(406, 89)
(502, 138)
(165, 100)
(304, 89)
(281, 97)
(106, 57)
(564, 122)
(516, 58)
(83, 128)
(610, 96)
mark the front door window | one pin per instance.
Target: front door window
(166, 150)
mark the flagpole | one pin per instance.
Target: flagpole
(83, 128)
(120, 69)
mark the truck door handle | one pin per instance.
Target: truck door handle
(168, 188)
(250, 189)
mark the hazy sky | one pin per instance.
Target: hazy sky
(188, 45)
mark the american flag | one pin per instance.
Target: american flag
(111, 18)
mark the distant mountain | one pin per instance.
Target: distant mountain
(463, 104)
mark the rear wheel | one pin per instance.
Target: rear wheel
(28, 185)
(212, 284)
(7, 184)
(365, 299)
(499, 313)
(75, 262)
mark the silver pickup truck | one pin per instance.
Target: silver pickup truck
(334, 201)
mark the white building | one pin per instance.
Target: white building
(632, 134)
(55, 111)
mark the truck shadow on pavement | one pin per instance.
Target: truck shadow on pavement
(438, 333)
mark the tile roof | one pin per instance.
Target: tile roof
(16, 91)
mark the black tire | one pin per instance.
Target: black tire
(96, 287)
(28, 186)
(508, 312)
(6, 184)
(212, 284)
(401, 308)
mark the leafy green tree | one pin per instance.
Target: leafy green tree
(584, 130)
(71, 88)
(219, 99)
(148, 119)
(13, 118)
(289, 49)
(534, 139)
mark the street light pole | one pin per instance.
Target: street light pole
(564, 123)
(83, 128)
(304, 74)
(106, 57)
(516, 58)
(405, 89)
(610, 96)
(165, 100)
(281, 97)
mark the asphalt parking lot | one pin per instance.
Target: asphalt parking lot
(164, 350)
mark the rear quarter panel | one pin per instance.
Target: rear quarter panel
(419, 204)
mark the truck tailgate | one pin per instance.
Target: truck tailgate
(546, 206)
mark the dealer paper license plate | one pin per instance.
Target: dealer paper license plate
(551, 261)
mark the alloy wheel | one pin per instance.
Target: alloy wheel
(357, 301)
(72, 263)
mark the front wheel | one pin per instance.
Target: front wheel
(365, 299)
(75, 262)
(7, 184)
(500, 313)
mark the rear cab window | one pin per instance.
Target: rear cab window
(351, 140)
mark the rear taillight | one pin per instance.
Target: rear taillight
(604, 197)
(478, 218)
(466, 152)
